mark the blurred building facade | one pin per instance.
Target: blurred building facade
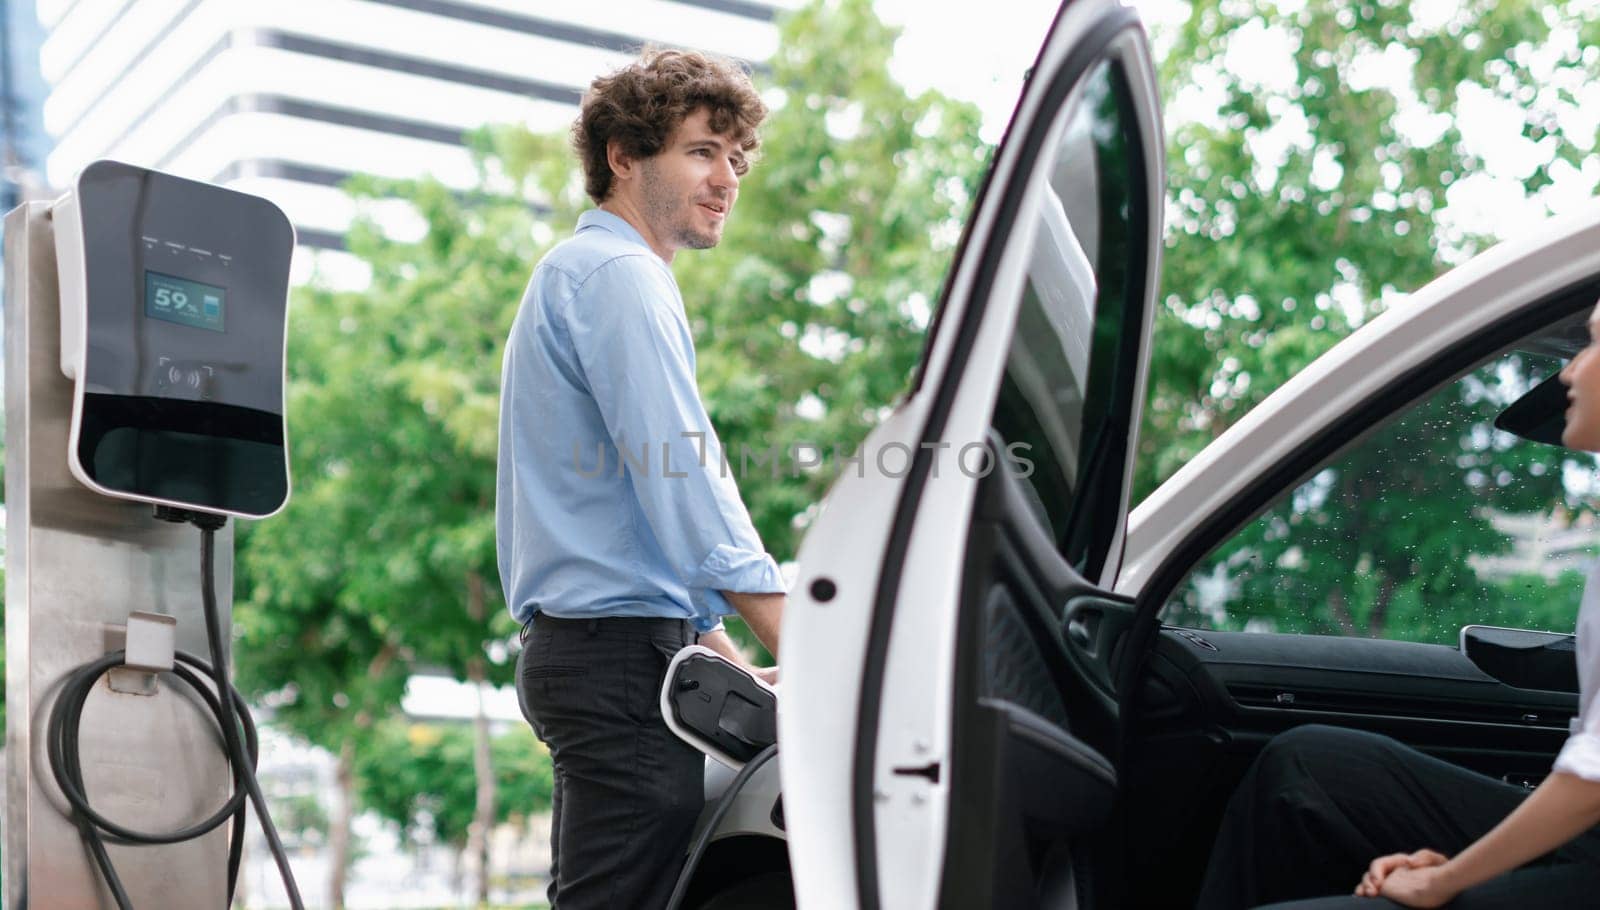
(23, 142)
(289, 98)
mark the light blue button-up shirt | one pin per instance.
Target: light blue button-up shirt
(613, 497)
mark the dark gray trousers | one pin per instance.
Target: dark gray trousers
(1321, 803)
(627, 791)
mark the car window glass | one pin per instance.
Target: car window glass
(1063, 407)
(1435, 521)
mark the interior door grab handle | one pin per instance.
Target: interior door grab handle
(1078, 630)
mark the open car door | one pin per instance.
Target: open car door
(948, 724)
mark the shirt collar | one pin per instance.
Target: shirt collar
(616, 224)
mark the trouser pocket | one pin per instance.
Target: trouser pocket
(554, 671)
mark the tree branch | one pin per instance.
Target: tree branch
(1380, 609)
(1341, 611)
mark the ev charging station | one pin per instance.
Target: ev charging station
(145, 320)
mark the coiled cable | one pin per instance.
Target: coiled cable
(232, 716)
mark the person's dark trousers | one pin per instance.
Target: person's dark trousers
(627, 791)
(1321, 803)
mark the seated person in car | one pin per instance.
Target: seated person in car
(1325, 809)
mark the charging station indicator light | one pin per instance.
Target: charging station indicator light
(173, 299)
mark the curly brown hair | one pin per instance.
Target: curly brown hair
(641, 104)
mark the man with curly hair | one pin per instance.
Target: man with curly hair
(621, 536)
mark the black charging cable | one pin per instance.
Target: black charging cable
(723, 805)
(231, 713)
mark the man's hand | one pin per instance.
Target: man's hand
(719, 642)
(1411, 879)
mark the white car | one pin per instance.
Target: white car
(999, 690)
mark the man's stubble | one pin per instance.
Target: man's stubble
(669, 213)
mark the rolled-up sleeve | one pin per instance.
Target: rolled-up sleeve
(636, 355)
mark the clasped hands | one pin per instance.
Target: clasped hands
(1411, 879)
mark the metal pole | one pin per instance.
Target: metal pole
(76, 565)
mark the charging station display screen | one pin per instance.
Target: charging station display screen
(183, 301)
(169, 407)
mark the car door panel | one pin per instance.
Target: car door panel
(1095, 624)
(1262, 681)
(1033, 715)
(1040, 786)
(1048, 633)
(1067, 230)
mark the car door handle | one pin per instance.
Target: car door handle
(1079, 630)
(1083, 627)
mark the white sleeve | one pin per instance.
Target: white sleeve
(1580, 756)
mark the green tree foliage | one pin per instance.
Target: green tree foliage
(1399, 537)
(1276, 249)
(810, 315)
(302, 820)
(327, 669)
(384, 560)
(401, 424)
(420, 776)
(1281, 240)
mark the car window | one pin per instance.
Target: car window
(1435, 521)
(1064, 404)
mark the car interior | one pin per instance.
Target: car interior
(1096, 758)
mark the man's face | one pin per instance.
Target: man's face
(687, 190)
